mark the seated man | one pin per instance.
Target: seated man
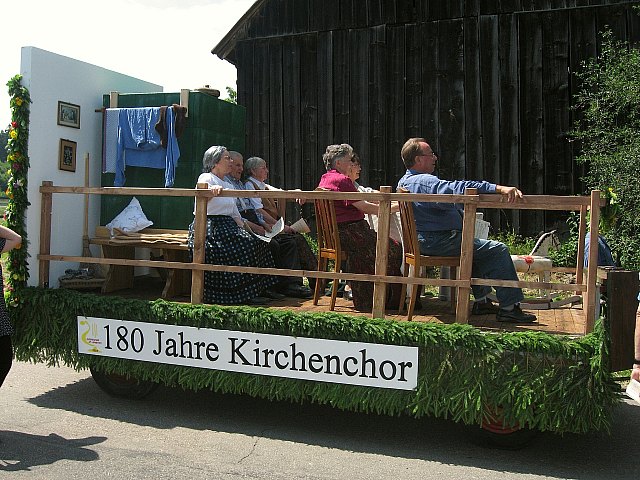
(283, 248)
(439, 227)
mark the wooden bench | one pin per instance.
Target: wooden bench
(172, 246)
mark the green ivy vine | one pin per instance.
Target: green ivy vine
(18, 160)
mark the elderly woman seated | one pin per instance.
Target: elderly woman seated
(255, 175)
(356, 236)
(227, 243)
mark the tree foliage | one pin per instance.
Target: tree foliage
(608, 132)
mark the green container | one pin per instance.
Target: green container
(211, 122)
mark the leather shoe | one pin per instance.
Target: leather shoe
(515, 316)
(297, 291)
(257, 301)
(484, 308)
(273, 295)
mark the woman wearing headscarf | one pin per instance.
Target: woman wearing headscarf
(228, 243)
(256, 173)
(356, 236)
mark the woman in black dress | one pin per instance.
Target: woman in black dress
(8, 241)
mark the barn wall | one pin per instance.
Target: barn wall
(488, 83)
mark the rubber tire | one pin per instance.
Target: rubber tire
(121, 386)
(509, 439)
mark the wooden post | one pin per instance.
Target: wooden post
(45, 235)
(466, 258)
(199, 238)
(622, 305)
(382, 255)
(592, 268)
(582, 233)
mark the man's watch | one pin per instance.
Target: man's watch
(636, 362)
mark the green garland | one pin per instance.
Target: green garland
(17, 186)
(548, 382)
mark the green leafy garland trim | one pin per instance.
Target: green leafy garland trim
(18, 160)
(548, 382)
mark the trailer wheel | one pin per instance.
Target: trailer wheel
(494, 434)
(122, 386)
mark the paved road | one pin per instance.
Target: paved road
(56, 424)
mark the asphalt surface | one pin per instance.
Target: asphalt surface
(56, 423)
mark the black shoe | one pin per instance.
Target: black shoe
(484, 308)
(273, 295)
(515, 316)
(297, 291)
(258, 301)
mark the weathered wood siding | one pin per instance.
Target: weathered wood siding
(488, 82)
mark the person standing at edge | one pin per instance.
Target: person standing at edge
(635, 372)
(439, 227)
(8, 241)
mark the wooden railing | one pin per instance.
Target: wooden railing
(471, 200)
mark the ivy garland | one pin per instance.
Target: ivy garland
(548, 382)
(18, 160)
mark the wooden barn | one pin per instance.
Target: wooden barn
(489, 83)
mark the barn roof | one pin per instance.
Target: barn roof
(225, 47)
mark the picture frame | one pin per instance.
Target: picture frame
(68, 114)
(67, 155)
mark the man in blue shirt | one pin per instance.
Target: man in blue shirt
(439, 227)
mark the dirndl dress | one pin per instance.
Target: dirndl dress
(227, 244)
(5, 325)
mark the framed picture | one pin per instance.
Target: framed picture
(68, 114)
(67, 160)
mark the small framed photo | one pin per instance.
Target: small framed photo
(67, 155)
(68, 114)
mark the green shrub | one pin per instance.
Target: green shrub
(607, 134)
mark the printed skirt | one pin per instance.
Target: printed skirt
(359, 241)
(227, 244)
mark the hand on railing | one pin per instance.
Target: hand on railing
(512, 193)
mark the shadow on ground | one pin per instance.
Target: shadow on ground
(591, 456)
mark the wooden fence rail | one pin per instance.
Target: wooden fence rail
(471, 200)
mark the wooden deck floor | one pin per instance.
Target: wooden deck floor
(565, 320)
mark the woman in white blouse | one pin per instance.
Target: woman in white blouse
(227, 243)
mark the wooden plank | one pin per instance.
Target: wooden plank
(45, 235)
(592, 268)
(310, 168)
(374, 13)
(509, 156)
(382, 254)
(621, 313)
(558, 164)
(292, 100)
(472, 100)
(396, 98)
(359, 106)
(199, 238)
(275, 150)
(341, 82)
(531, 114)
(414, 79)
(490, 100)
(325, 91)
(582, 47)
(451, 98)
(378, 92)
(430, 85)
(466, 259)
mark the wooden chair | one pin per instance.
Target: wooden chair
(413, 258)
(328, 246)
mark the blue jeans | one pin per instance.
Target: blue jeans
(491, 259)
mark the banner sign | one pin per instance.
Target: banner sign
(321, 360)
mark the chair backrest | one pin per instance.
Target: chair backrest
(408, 223)
(327, 225)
